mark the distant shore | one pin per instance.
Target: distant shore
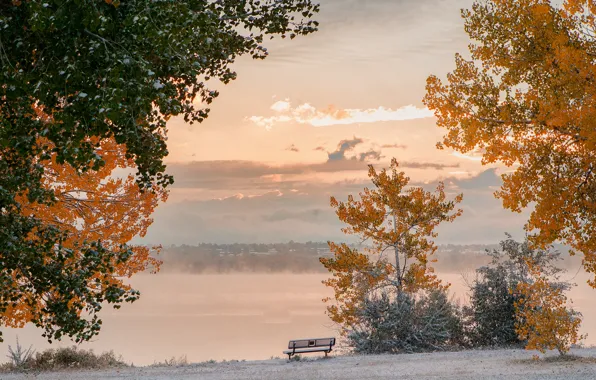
(463, 365)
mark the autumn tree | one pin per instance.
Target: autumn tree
(395, 220)
(355, 275)
(543, 316)
(525, 98)
(93, 206)
(105, 70)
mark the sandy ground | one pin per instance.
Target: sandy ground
(497, 364)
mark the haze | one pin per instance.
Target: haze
(286, 135)
(304, 124)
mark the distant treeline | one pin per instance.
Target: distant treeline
(302, 258)
(226, 258)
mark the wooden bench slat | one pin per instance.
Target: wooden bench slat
(316, 342)
(311, 349)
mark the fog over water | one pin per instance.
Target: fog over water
(232, 316)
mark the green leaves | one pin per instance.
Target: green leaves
(76, 71)
(104, 70)
(70, 287)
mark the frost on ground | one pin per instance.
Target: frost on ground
(489, 364)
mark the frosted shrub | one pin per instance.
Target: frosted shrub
(407, 323)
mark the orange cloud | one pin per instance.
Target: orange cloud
(331, 115)
(474, 155)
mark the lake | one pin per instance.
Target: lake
(232, 316)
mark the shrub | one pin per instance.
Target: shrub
(19, 357)
(544, 317)
(64, 358)
(491, 314)
(406, 323)
(491, 317)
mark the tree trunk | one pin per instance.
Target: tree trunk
(397, 264)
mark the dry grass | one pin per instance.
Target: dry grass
(557, 359)
(172, 362)
(59, 359)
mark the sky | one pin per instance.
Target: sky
(305, 123)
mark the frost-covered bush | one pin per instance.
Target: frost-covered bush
(407, 323)
(403, 322)
(491, 315)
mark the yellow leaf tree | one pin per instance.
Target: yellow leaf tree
(543, 318)
(103, 204)
(527, 98)
(399, 223)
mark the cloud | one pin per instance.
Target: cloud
(304, 214)
(311, 215)
(307, 114)
(370, 155)
(343, 147)
(293, 148)
(235, 176)
(239, 196)
(488, 179)
(426, 165)
(397, 146)
(321, 148)
(467, 157)
(281, 106)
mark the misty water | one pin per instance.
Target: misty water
(233, 316)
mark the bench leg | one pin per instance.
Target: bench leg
(289, 356)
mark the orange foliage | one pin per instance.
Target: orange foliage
(543, 318)
(390, 216)
(96, 205)
(528, 98)
(355, 276)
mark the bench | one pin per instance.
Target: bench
(304, 346)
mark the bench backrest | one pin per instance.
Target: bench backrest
(317, 342)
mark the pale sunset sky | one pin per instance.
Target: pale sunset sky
(303, 125)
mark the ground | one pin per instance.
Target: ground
(486, 364)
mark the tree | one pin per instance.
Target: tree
(519, 298)
(100, 205)
(105, 70)
(354, 277)
(94, 206)
(121, 69)
(543, 317)
(490, 317)
(526, 99)
(493, 294)
(389, 216)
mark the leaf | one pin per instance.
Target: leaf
(61, 240)
(527, 99)
(398, 221)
